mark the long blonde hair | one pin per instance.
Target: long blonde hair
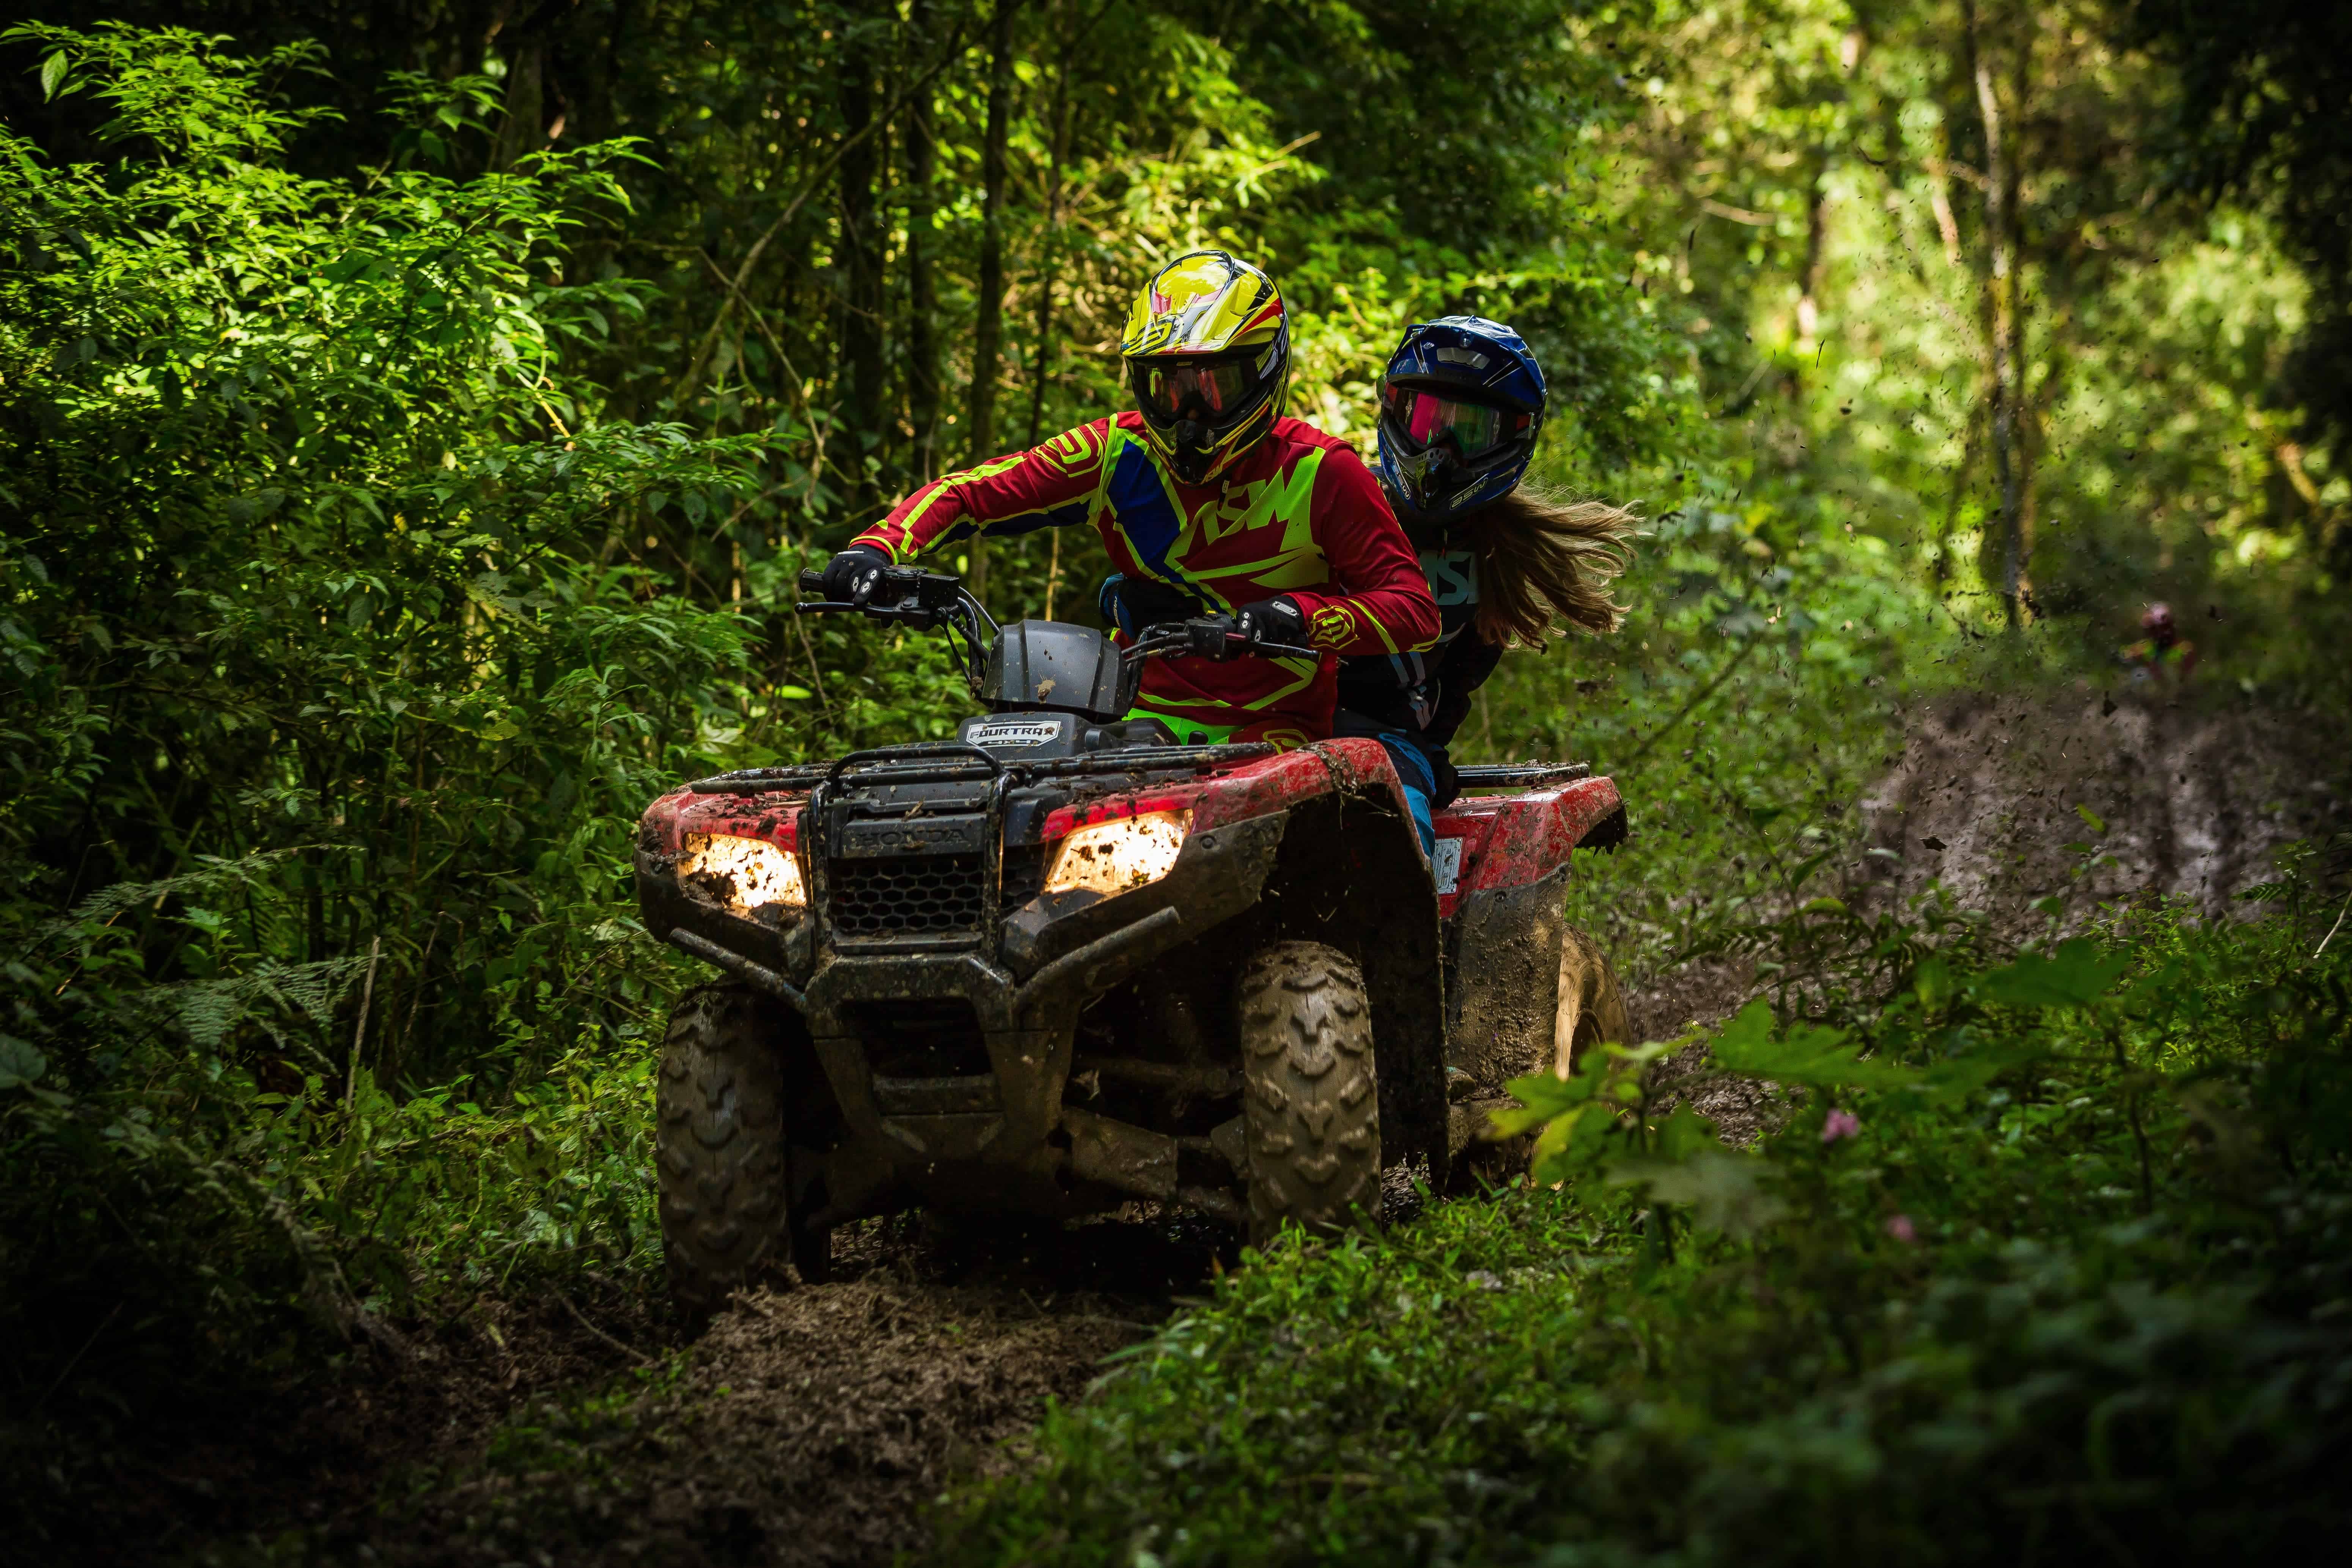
(1544, 559)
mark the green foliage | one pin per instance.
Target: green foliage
(325, 720)
(2080, 1303)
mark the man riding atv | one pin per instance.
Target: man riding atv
(1140, 931)
(1208, 501)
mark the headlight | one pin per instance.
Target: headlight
(749, 873)
(1114, 857)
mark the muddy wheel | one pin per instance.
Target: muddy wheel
(1312, 1104)
(721, 1152)
(1591, 1004)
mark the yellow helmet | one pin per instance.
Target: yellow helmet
(1207, 355)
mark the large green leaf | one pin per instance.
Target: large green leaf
(1808, 1054)
(2074, 974)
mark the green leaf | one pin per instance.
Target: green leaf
(2097, 824)
(1724, 1191)
(1570, 1146)
(1685, 1134)
(2074, 975)
(1541, 1097)
(1809, 1054)
(1933, 982)
(53, 71)
(20, 1064)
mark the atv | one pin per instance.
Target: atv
(1060, 963)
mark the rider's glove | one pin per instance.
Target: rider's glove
(850, 576)
(1277, 620)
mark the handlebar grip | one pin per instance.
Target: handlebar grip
(812, 582)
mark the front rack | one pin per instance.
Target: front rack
(1521, 775)
(949, 762)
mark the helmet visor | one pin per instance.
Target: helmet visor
(1218, 385)
(1423, 418)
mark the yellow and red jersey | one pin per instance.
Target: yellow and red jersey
(1297, 514)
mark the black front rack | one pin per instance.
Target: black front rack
(948, 761)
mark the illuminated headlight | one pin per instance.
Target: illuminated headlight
(749, 873)
(1114, 857)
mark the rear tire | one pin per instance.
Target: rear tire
(1312, 1102)
(1591, 1003)
(721, 1153)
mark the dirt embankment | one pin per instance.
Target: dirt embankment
(2195, 799)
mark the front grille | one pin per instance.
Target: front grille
(910, 895)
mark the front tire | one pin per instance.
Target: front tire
(1311, 1103)
(722, 1155)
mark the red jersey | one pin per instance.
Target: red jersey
(1298, 514)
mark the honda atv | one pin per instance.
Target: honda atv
(1059, 963)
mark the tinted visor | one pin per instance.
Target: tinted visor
(1220, 386)
(1423, 418)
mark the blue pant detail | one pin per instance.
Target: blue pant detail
(1420, 782)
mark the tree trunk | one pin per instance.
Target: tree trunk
(2001, 313)
(988, 331)
(1060, 152)
(1816, 223)
(861, 238)
(922, 284)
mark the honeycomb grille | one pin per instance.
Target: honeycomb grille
(911, 895)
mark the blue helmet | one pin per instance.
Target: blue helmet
(1460, 405)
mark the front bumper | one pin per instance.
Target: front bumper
(966, 1138)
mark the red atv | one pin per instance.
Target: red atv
(1059, 963)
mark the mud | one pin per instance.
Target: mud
(2195, 796)
(811, 1425)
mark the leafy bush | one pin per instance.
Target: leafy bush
(2042, 1256)
(324, 722)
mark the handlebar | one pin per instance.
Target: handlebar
(905, 594)
(1207, 636)
(915, 597)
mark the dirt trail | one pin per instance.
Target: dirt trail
(811, 1425)
(2195, 799)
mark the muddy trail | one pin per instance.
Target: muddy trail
(810, 1425)
(818, 1425)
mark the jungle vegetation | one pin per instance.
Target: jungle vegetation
(413, 416)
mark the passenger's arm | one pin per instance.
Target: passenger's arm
(1465, 667)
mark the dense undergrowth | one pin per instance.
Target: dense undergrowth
(2056, 1271)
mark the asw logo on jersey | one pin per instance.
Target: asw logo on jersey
(1452, 575)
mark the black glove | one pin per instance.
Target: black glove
(850, 576)
(1276, 620)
